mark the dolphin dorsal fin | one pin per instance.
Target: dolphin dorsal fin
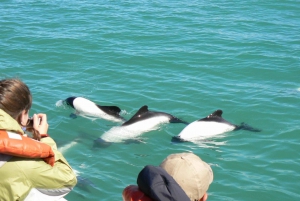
(141, 111)
(217, 113)
(110, 109)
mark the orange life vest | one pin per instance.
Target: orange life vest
(17, 145)
(132, 193)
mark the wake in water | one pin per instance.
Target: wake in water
(210, 143)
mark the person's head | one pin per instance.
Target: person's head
(192, 174)
(15, 99)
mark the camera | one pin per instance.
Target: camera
(30, 123)
(30, 131)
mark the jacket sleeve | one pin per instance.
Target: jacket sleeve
(59, 179)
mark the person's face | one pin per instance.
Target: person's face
(24, 117)
(204, 198)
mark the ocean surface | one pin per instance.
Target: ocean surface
(185, 58)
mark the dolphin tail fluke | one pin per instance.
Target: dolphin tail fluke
(245, 126)
(112, 110)
(177, 120)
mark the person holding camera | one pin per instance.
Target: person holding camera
(31, 168)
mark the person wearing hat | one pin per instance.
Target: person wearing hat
(191, 173)
(180, 177)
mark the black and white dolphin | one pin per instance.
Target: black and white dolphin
(145, 118)
(88, 108)
(209, 126)
(142, 121)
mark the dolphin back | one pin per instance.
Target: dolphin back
(110, 109)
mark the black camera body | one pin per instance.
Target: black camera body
(30, 123)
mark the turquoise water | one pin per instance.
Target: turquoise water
(186, 58)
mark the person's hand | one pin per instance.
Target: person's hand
(40, 123)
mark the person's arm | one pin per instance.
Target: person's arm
(61, 175)
(56, 180)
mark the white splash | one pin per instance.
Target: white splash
(210, 143)
(59, 103)
(64, 148)
(77, 173)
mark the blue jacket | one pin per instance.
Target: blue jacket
(157, 184)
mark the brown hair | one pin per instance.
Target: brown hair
(15, 97)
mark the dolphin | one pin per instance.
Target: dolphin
(143, 115)
(142, 121)
(85, 183)
(86, 107)
(210, 126)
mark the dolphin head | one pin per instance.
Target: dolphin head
(69, 101)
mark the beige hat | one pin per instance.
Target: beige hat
(190, 172)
